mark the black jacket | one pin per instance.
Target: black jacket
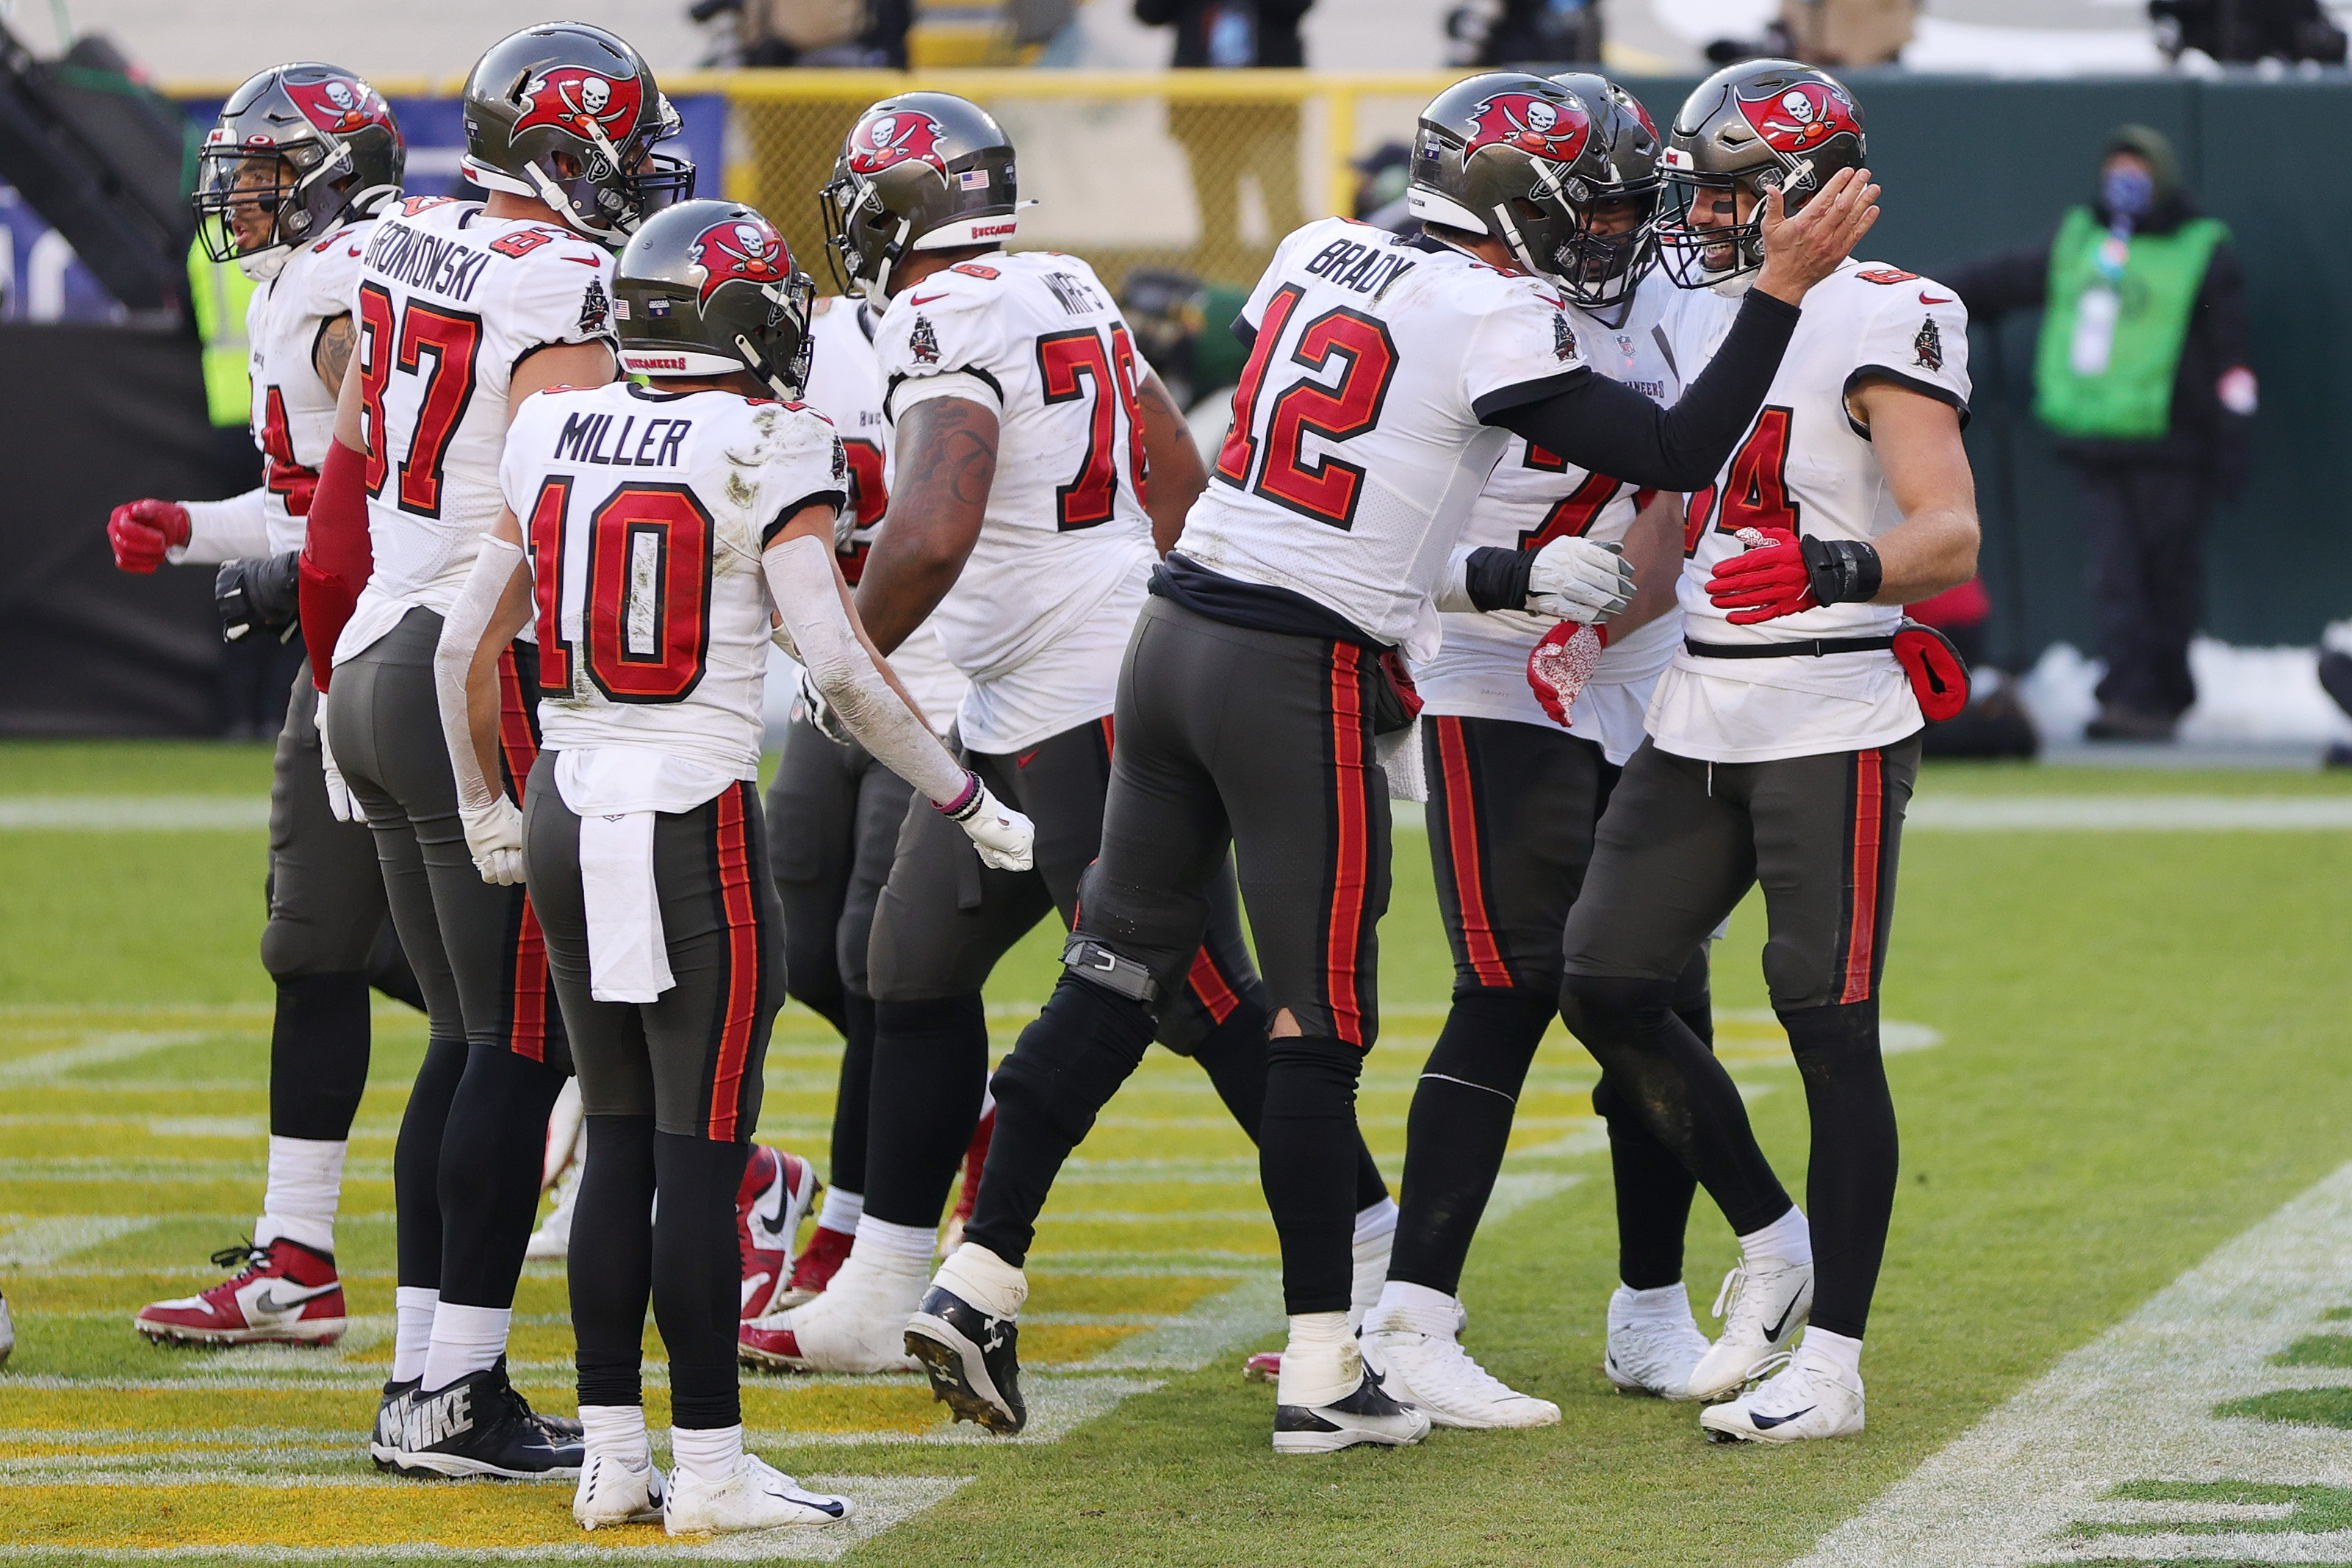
(1274, 28)
(2203, 434)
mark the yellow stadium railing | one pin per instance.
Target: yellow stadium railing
(1200, 171)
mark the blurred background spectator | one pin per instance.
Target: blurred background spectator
(1225, 34)
(2141, 374)
(2238, 31)
(869, 33)
(1245, 156)
(1507, 32)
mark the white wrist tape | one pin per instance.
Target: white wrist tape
(801, 577)
(462, 630)
(222, 531)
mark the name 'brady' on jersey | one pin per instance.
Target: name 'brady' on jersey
(1806, 466)
(1357, 445)
(644, 517)
(448, 301)
(1041, 615)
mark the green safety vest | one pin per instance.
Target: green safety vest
(221, 293)
(2132, 399)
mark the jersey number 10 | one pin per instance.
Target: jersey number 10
(646, 623)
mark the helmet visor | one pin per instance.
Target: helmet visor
(238, 198)
(1612, 248)
(1703, 240)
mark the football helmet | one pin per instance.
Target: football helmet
(296, 150)
(919, 171)
(568, 114)
(1749, 129)
(1508, 155)
(710, 287)
(1619, 164)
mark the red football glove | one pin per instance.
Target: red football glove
(142, 531)
(1560, 663)
(1769, 581)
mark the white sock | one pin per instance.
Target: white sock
(1789, 1239)
(306, 1182)
(1408, 1305)
(985, 1280)
(841, 1211)
(1665, 1302)
(705, 1456)
(413, 1304)
(1375, 1221)
(465, 1339)
(1321, 1362)
(1839, 1350)
(893, 1247)
(619, 1431)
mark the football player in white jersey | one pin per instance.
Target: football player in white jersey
(1036, 456)
(1513, 800)
(833, 811)
(659, 523)
(1385, 377)
(464, 309)
(291, 174)
(1784, 741)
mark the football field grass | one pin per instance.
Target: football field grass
(2116, 1323)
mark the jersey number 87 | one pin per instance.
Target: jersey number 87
(646, 623)
(451, 338)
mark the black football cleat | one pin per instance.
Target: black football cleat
(479, 1425)
(1367, 1416)
(973, 1359)
(385, 1441)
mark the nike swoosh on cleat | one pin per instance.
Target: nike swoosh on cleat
(1774, 1332)
(269, 1302)
(1766, 1423)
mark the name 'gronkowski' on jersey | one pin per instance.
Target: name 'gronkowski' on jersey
(1807, 467)
(1356, 448)
(448, 301)
(1534, 497)
(1045, 604)
(644, 517)
(293, 410)
(844, 384)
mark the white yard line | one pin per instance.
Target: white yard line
(94, 1050)
(2127, 813)
(35, 1243)
(136, 813)
(2136, 1404)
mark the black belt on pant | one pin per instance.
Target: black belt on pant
(1802, 647)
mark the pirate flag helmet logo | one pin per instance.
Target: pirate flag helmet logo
(1538, 126)
(885, 140)
(583, 101)
(744, 250)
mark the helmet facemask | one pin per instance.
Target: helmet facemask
(779, 351)
(1597, 269)
(864, 240)
(616, 188)
(1696, 246)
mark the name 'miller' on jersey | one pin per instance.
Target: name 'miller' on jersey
(1357, 448)
(644, 517)
(293, 410)
(449, 300)
(1807, 466)
(1041, 614)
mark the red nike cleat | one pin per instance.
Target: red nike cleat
(814, 1269)
(775, 1195)
(975, 1158)
(769, 1348)
(286, 1294)
(1263, 1367)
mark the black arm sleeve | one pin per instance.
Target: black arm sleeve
(1602, 425)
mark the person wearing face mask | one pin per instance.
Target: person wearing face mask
(2142, 375)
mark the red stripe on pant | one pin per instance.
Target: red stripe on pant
(1461, 851)
(742, 1001)
(1351, 870)
(1210, 987)
(1869, 828)
(518, 750)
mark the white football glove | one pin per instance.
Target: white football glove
(1578, 580)
(1005, 838)
(339, 799)
(820, 713)
(494, 835)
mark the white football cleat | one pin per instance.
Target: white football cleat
(1366, 1415)
(757, 1496)
(553, 1237)
(1436, 1375)
(858, 1324)
(611, 1492)
(1762, 1305)
(1806, 1396)
(1653, 1353)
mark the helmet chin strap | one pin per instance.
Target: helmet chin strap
(560, 205)
(1513, 241)
(878, 292)
(761, 365)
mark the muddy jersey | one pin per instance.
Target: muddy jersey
(293, 410)
(1041, 615)
(1357, 448)
(844, 384)
(644, 517)
(448, 301)
(1534, 497)
(1806, 466)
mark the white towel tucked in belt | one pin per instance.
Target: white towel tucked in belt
(615, 790)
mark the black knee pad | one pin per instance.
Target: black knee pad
(1490, 1037)
(904, 1021)
(1073, 1057)
(1309, 1075)
(1600, 1008)
(1835, 1043)
(319, 1056)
